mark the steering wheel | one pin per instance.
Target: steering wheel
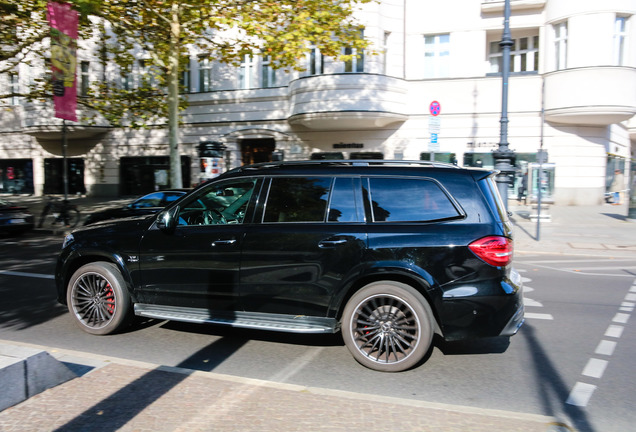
(213, 217)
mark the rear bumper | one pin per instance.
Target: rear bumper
(515, 323)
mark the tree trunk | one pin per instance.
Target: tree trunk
(173, 99)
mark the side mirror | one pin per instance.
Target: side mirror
(167, 219)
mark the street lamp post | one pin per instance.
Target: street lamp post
(503, 155)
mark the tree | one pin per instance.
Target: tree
(164, 30)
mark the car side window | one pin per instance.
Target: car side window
(342, 205)
(220, 203)
(151, 200)
(297, 199)
(407, 200)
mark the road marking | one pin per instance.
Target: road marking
(595, 368)
(35, 275)
(529, 302)
(614, 331)
(538, 316)
(621, 318)
(630, 297)
(581, 394)
(605, 347)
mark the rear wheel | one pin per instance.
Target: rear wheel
(388, 326)
(97, 299)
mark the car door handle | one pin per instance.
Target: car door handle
(331, 243)
(223, 242)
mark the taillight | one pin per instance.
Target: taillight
(495, 250)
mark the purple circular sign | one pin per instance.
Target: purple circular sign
(435, 108)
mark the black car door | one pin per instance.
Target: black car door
(310, 238)
(196, 265)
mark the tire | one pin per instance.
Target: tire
(388, 326)
(97, 299)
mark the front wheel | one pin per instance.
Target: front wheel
(97, 299)
(388, 326)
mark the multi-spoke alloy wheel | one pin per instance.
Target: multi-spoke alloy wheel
(96, 298)
(387, 326)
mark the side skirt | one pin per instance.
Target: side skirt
(248, 320)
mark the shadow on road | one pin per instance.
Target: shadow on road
(553, 390)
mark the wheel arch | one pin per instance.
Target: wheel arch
(84, 258)
(422, 286)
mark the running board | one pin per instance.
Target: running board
(248, 320)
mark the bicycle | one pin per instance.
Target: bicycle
(59, 214)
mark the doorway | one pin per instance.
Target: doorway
(256, 150)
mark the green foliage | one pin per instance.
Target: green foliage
(162, 30)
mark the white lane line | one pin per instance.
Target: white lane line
(633, 289)
(621, 318)
(529, 302)
(605, 347)
(595, 368)
(630, 297)
(581, 394)
(538, 316)
(34, 275)
(614, 331)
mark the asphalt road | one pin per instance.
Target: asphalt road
(573, 358)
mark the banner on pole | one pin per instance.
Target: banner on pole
(63, 22)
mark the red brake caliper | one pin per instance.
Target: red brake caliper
(110, 297)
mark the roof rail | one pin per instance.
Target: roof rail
(344, 162)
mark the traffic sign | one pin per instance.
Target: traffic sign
(435, 108)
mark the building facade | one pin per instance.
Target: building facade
(432, 91)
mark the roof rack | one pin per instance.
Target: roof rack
(344, 162)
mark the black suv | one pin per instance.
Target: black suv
(388, 252)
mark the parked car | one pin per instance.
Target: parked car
(388, 252)
(146, 205)
(15, 219)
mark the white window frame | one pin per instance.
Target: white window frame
(437, 56)
(620, 40)
(247, 72)
(205, 74)
(268, 73)
(315, 62)
(84, 78)
(528, 56)
(14, 88)
(385, 51)
(560, 45)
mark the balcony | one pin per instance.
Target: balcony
(347, 101)
(599, 96)
(39, 121)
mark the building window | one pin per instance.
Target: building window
(268, 73)
(14, 88)
(84, 78)
(561, 45)
(184, 76)
(437, 56)
(315, 62)
(524, 55)
(246, 72)
(205, 74)
(356, 63)
(385, 52)
(620, 36)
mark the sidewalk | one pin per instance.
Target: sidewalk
(123, 395)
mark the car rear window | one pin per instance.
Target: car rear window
(408, 200)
